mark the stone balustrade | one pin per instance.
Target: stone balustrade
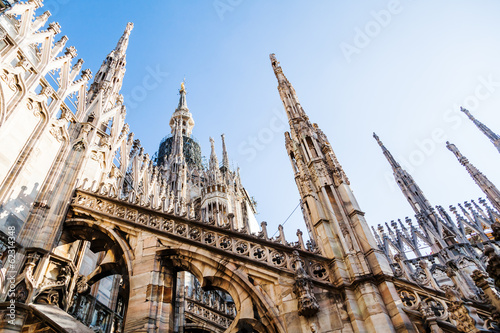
(243, 245)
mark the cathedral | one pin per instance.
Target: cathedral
(96, 235)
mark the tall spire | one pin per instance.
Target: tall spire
(331, 212)
(494, 138)
(395, 165)
(335, 222)
(121, 46)
(181, 126)
(214, 162)
(287, 93)
(182, 115)
(408, 186)
(225, 159)
(484, 183)
(109, 78)
(282, 80)
(177, 143)
(213, 165)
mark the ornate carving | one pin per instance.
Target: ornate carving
(408, 298)
(421, 276)
(81, 141)
(82, 287)
(260, 250)
(431, 311)
(426, 310)
(10, 79)
(397, 266)
(493, 268)
(21, 292)
(50, 296)
(58, 125)
(31, 262)
(466, 319)
(496, 230)
(307, 304)
(347, 237)
(490, 293)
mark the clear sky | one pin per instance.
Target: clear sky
(399, 68)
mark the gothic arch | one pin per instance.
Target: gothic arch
(255, 309)
(115, 260)
(90, 231)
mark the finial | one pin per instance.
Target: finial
(225, 158)
(182, 99)
(274, 61)
(392, 161)
(122, 45)
(401, 224)
(464, 110)
(381, 230)
(451, 147)
(461, 158)
(378, 139)
(183, 88)
(129, 27)
(277, 70)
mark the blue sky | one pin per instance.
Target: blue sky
(399, 68)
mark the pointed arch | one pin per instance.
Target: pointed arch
(254, 308)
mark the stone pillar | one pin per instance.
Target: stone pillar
(152, 287)
(373, 308)
(180, 295)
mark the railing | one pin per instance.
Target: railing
(221, 317)
(238, 243)
(92, 313)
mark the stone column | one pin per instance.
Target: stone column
(152, 287)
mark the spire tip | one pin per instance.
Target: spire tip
(274, 62)
(375, 136)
